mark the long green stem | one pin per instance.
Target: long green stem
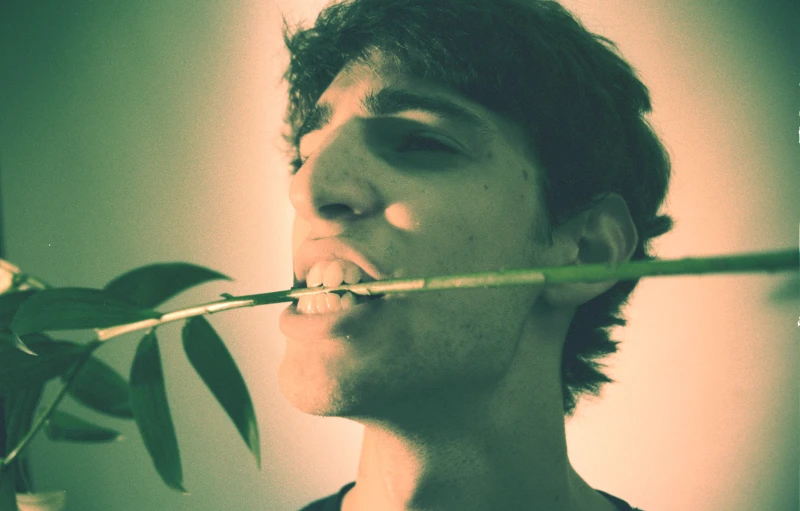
(788, 260)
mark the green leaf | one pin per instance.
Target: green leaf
(9, 303)
(102, 389)
(153, 285)
(62, 426)
(20, 407)
(151, 411)
(73, 309)
(18, 369)
(9, 338)
(216, 367)
(8, 499)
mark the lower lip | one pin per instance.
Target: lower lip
(297, 325)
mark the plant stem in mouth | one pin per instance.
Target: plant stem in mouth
(787, 260)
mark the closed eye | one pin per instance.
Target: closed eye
(417, 142)
(410, 143)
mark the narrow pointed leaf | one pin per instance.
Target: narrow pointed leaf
(215, 365)
(20, 407)
(75, 308)
(65, 427)
(8, 338)
(18, 369)
(151, 411)
(9, 303)
(153, 285)
(8, 490)
(102, 389)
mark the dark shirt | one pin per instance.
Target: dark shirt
(334, 502)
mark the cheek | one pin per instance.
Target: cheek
(402, 216)
(489, 226)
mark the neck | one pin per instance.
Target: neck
(473, 451)
(403, 473)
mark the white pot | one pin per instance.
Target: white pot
(42, 501)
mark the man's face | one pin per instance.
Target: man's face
(460, 199)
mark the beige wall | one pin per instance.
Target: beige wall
(147, 131)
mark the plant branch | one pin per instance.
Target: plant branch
(788, 260)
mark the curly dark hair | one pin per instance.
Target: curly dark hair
(581, 105)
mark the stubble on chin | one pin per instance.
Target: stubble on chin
(318, 389)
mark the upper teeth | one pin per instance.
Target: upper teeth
(333, 273)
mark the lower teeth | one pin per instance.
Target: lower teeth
(323, 303)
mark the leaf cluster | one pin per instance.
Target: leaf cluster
(30, 357)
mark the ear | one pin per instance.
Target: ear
(604, 234)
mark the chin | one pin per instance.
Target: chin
(311, 391)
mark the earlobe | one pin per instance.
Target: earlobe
(604, 234)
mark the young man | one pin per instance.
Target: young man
(459, 136)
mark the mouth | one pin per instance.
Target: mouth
(332, 274)
(302, 319)
(330, 302)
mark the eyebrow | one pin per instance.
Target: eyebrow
(390, 100)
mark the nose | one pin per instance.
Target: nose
(335, 187)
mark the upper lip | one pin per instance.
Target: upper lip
(331, 249)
